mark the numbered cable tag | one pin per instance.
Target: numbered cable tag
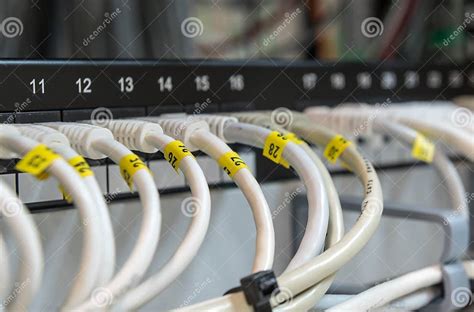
(294, 138)
(36, 161)
(231, 162)
(423, 149)
(335, 148)
(275, 144)
(82, 167)
(129, 165)
(174, 152)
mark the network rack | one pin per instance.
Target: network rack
(70, 90)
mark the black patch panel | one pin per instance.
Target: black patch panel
(70, 90)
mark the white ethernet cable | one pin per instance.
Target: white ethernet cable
(349, 121)
(312, 243)
(436, 112)
(60, 144)
(27, 238)
(196, 136)
(39, 160)
(310, 282)
(94, 142)
(382, 294)
(411, 302)
(461, 141)
(336, 222)
(149, 138)
(301, 162)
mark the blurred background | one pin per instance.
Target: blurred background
(409, 30)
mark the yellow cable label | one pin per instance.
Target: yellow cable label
(129, 165)
(231, 163)
(294, 138)
(81, 166)
(423, 149)
(174, 152)
(275, 144)
(37, 160)
(335, 148)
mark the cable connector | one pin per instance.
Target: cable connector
(255, 118)
(217, 124)
(82, 137)
(180, 128)
(350, 120)
(42, 134)
(132, 133)
(258, 289)
(7, 130)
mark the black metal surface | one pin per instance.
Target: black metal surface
(266, 84)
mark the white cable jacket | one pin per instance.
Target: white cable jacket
(190, 245)
(60, 144)
(141, 256)
(449, 175)
(318, 211)
(91, 252)
(446, 170)
(384, 293)
(27, 238)
(335, 257)
(411, 302)
(459, 140)
(108, 237)
(306, 300)
(265, 242)
(452, 180)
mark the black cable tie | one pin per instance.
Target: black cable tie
(258, 289)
